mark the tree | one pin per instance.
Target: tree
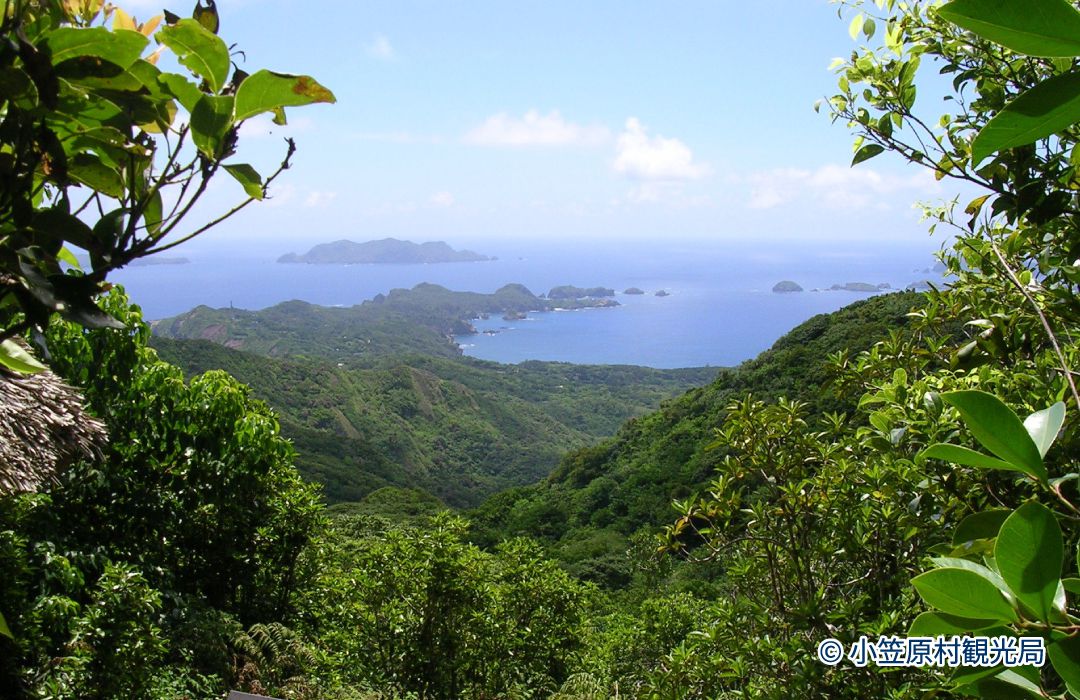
(193, 516)
(1012, 132)
(94, 156)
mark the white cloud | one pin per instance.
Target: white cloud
(317, 198)
(535, 129)
(381, 49)
(833, 186)
(280, 195)
(645, 157)
(442, 199)
(765, 198)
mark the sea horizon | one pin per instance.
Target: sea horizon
(720, 309)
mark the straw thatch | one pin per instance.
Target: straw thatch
(43, 429)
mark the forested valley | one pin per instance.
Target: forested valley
(307, 502)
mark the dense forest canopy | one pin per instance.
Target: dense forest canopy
(899, 468)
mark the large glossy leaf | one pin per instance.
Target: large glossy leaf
(980, 569)
(60, 225)
(203, 52)
(88, 169)
(1043, 426)
(932, 624)
(1049, 107)
(265, 91)
(963, 593)
(15, 357)
(186, 92)
(966, 456)
(1065, 658)
(1034, 27)
(998, 429)
(122, 47)
(4, 629)
(980, 526)
(1008, 684)
(210, 120)
(1029, 554)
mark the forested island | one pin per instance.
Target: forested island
(859, 287)
(425, 319)
(319, 503)
(387, 251)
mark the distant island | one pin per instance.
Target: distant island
(786, 286)
(634, 290)
(860, 287)
(569, 291)
(158, 260)
(662, 293)
(388, 251)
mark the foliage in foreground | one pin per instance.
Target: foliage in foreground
(150, 560)
(90, 124)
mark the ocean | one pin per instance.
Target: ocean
(720, 309)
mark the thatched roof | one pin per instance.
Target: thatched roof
(43, 429)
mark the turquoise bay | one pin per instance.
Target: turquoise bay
(720, 309)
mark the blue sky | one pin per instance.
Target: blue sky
(467, 121)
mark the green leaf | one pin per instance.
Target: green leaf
(60, 225)
(866, 153)
(980, 526)
(1065, 658)
(249, 178)
(207, 16)
(210, 121)
(980, 569)
(856, 26)
(186, 92)
(15, 357)
(66, 256)
(1034, 27)
(1029, 554)
(4, 629)
(16, 86)
(87, 168)
(152, 214)
(1043, 426)
(109, 229)
(963, 593)
(202, 51)
(1007, 685)
(1051, 106)
(931, 624)
(122, 47)
(1072, 585)
(266, 91)
(998, 429)
(967, 457)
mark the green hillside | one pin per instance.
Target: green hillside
(601, 494)
(459, 428)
